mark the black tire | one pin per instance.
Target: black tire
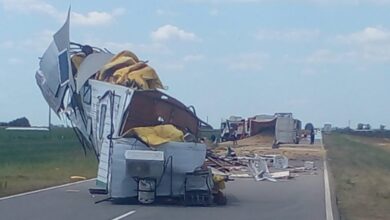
(220, 198)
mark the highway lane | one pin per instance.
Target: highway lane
(71, 202)
(299, 198)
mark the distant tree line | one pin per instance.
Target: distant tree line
(380, 133)
(19, 122)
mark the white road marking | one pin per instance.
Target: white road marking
(42, 190)
(124, 215)
(73, 190)
(328, 200)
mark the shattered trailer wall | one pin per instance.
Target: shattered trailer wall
(107, 98)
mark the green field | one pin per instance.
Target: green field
(361, 170)
(35, 159)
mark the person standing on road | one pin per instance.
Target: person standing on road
(234, 134)
(312, 136)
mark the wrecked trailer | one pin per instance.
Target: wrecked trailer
(262, 124)
(146, 141)
(287, 129)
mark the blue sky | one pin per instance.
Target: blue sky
(323, 60)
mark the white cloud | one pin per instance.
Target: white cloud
(95, 18)
(225, 1)
(357, 56)
(367, 35)
(324, 56)
(37, 42)
(7, 44)
(374, 53)
(311, 2)
(151, 48)
(343, 2)
(367, 46)
(92, 18)
(170, 32)
(287, 35)
(35, 6)
(193, 57)
(247, 62)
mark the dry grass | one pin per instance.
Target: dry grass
(361, 170)
(383, 143)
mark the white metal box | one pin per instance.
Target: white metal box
(144, 163)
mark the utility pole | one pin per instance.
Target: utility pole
(49, 118)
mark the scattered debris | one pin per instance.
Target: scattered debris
(281, 175)
(309, 165)
(277, 161)
(241, 175)
(260, 167)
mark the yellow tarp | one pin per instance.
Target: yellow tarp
(125, 69)
(219, 181)
(157, 135)
(125, 53)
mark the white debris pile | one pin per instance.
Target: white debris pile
(261, 167)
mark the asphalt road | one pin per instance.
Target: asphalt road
(297, 199)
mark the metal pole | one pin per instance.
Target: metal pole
(49, 119)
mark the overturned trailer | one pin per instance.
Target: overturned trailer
(145, 140)
(284, 128)
(262, 124)
(287, 129)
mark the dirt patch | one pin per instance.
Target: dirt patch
(262, 144)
